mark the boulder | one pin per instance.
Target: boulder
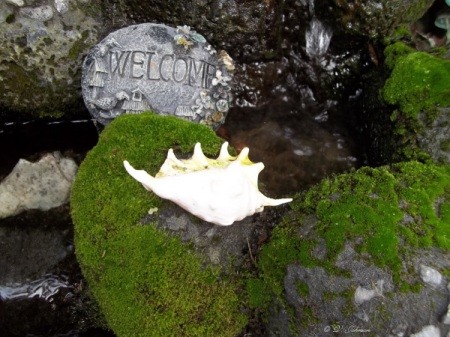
(41, 185)
(43, 45)
(362, 252)
(164, 273)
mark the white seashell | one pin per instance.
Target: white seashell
(220, 191)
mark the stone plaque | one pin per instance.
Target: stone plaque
(171, 71)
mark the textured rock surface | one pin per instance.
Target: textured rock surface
(362, 252)
(42, 48)
(435, 139)
(41, 185)
(375, 19)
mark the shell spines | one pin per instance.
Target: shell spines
(221, 191)
(199, 157)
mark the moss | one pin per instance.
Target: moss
(419, 81)
(416, 88)
(11, 18)
(365, 208)
(146, 282)
(78, 46)
(302, 289)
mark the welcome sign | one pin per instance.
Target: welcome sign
(171, 71)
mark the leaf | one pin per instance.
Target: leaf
(198, 38)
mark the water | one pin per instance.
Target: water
(318, 38)
(43, 288)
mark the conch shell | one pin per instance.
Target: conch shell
(221, 191)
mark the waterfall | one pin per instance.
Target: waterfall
(318, 38)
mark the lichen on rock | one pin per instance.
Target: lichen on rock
(42, 49)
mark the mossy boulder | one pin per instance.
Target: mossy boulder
(351, 251)
(419, 88)
(42, 50)
(146, 281)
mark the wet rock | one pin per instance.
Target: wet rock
(41, 185)
(27, 253)
(248, 30)
(42, 291)
(375, 19)
(43, 46)
(225, 246)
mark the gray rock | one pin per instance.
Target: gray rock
(42, 52)
(62, 6)
(435, 138)
(430, 275)
(428, 331)
(41, 185)
(365, 298)
(155, 67)
(18, 3)
(363, 294)
(41, 13)
(446, 318)
(224, 246)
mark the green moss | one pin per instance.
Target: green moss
(308, 317)
(258, 293)
(418, 85)
(146, 282)
(366, 208)
(10, 18)
(394, 51)
(302, 289)
(78, 46)
(419, 81)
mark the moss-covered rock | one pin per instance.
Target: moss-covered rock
(419, 86)
(365, 232)
(42, 50)
(147, 282)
